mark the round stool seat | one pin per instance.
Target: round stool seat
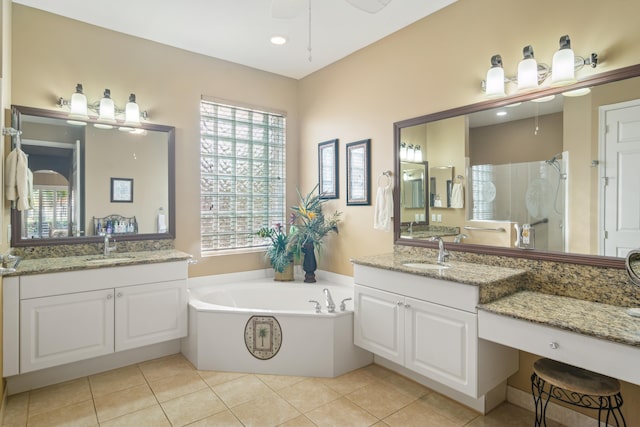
(575, 379)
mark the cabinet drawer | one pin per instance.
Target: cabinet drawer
(443, 292)
(606, 357)
(40, 285)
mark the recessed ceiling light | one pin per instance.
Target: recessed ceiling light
(278, 40)
(501, 113)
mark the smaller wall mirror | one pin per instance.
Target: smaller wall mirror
(414, 192)
(632, 265)
(440, 185)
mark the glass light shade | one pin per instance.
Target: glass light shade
(417, 156)
(132, 112)
(403, 151)
(563, 67)
(577, 92)
(107, 110)
(410, 153)
(78, 105)
(495, 82)
(527, 74)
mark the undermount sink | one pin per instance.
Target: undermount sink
(108, 260)
(425, 266)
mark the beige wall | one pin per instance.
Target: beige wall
(143, 158)
(516, 141)
(437, 64)
(52, 54)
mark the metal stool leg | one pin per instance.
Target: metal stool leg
(537, 385)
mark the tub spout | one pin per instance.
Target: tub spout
(331, 306)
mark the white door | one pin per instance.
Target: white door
(621, 198)
(442, 344)
(152, 313)
(379, 323)
(65, 328)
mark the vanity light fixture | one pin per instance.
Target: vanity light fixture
(531, 74)
(105, 109)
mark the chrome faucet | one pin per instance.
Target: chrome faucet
(107, 248)
(331, 306)
(458, 239)
(410, 228)
(443, 254)
(5, 260)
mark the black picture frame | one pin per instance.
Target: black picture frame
(328, 179)
(121, 190)
(359, 173)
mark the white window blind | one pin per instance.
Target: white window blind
(242, 175)
(50, 212)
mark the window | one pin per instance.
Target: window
(242, 175)
(50, 214)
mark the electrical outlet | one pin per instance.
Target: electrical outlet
(433, 217)
(439, 218)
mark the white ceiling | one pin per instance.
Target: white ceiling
(239, 30)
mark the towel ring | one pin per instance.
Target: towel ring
(387, 175)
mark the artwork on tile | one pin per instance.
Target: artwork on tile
(263, 336)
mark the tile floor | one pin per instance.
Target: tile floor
(171, 392)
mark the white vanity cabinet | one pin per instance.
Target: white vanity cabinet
(430, 327)
(58, 318)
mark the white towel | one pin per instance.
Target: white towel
(18, 187)
(457, 196)
(383, 209)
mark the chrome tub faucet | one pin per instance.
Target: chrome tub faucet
(331, 306)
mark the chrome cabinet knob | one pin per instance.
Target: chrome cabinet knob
(407, 306)
(119, 294)
(109, 296)
(553, 345)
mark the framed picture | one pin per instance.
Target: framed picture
(121, 190)
(359, 173)
(328, 169)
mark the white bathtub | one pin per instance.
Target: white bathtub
(312, 344)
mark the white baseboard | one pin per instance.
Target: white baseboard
(83, 368)
(555, 412)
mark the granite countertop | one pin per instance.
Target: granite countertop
(494, 282)
(608, 322)
(84, 262)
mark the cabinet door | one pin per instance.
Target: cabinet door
(65, 328)
(151, 313)
(442, 344)
(379, 322)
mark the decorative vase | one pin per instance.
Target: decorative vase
(309, 264)
(286, 275)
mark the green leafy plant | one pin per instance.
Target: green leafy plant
(278, 250)
(309, 225)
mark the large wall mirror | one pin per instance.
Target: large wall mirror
(89, 179)
(541, 175)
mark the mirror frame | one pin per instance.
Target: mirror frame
(572, 258)
(16, 217)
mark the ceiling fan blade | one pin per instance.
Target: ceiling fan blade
(287, 9)
(371, 6)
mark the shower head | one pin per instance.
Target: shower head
(554, 159)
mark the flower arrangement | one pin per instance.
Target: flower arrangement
(278, 250)
(309, 225)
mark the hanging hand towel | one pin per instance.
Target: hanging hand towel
(383, 209)
(17, 186)
(457, 196)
